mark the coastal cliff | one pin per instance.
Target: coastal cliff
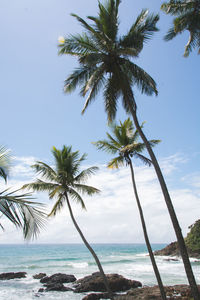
(192, 242)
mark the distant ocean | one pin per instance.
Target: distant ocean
(129, 260)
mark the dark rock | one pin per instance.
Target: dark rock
(56, 287)
(58, 278)
(41, 290)
(39, 276)
(12, 275)
(176, 292)
(94, 296)
(95, 283)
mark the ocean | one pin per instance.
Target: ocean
(129, 260)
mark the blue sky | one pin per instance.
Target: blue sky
(36, 114)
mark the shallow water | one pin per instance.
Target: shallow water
(129, 260)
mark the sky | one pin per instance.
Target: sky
(36, 115)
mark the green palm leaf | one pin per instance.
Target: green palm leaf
(22, 212)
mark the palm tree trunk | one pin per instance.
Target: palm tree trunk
(105, 280)
(180, 239)
(157, 274)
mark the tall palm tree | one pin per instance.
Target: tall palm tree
(187, 17)
(66, 181)
(18, 208)
(124, 142)
(105, 62)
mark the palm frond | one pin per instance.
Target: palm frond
(85, 174)
(40, 186)
(45, 170)
(58, 205)
(142, 79)
(116, 162)
(77, 197)
(85, 189)
(5, 160)
(93, 85)
(78, 78)
(22, 212)
(143, 158)
(78, 45)
(106, 146)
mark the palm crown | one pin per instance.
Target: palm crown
(187, 18)
(104, 57)
(65, 177)
(124, 142)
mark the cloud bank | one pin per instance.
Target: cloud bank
(112, 216)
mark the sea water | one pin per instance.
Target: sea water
(130, 260)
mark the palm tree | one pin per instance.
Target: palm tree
(18, 208)
(124, 143)
(105, 62)
(187, 17)
(66, 181)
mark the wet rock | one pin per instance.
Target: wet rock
(94, 296)
(58, 278)
(41, 290)
(12, 275)
(176, 292)
(95, 283)
(57, 287)
(39, 276)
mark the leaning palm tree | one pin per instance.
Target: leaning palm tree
(19, 208)
(124, 142)
(187, 18)
(65, 182)
(105, 62)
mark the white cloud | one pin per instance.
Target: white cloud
(112, 216)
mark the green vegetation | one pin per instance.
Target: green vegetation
(66, 182)
(193, 237)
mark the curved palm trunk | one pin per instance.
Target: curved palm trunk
(90, 249)
(180, 239)
(157, 274)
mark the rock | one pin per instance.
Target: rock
(12, 275)
(95, 283)
(58, 278)
(98, 296)
(41, 290)
(56, 287)
(39, 276)
(176, 292)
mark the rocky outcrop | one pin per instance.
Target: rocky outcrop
(12, 275)
(173, 250)
(94, 282)
(58, 278)
(55, 282)
(176, 292)
(39, 276)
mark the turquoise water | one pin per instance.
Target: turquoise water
(129, 260)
